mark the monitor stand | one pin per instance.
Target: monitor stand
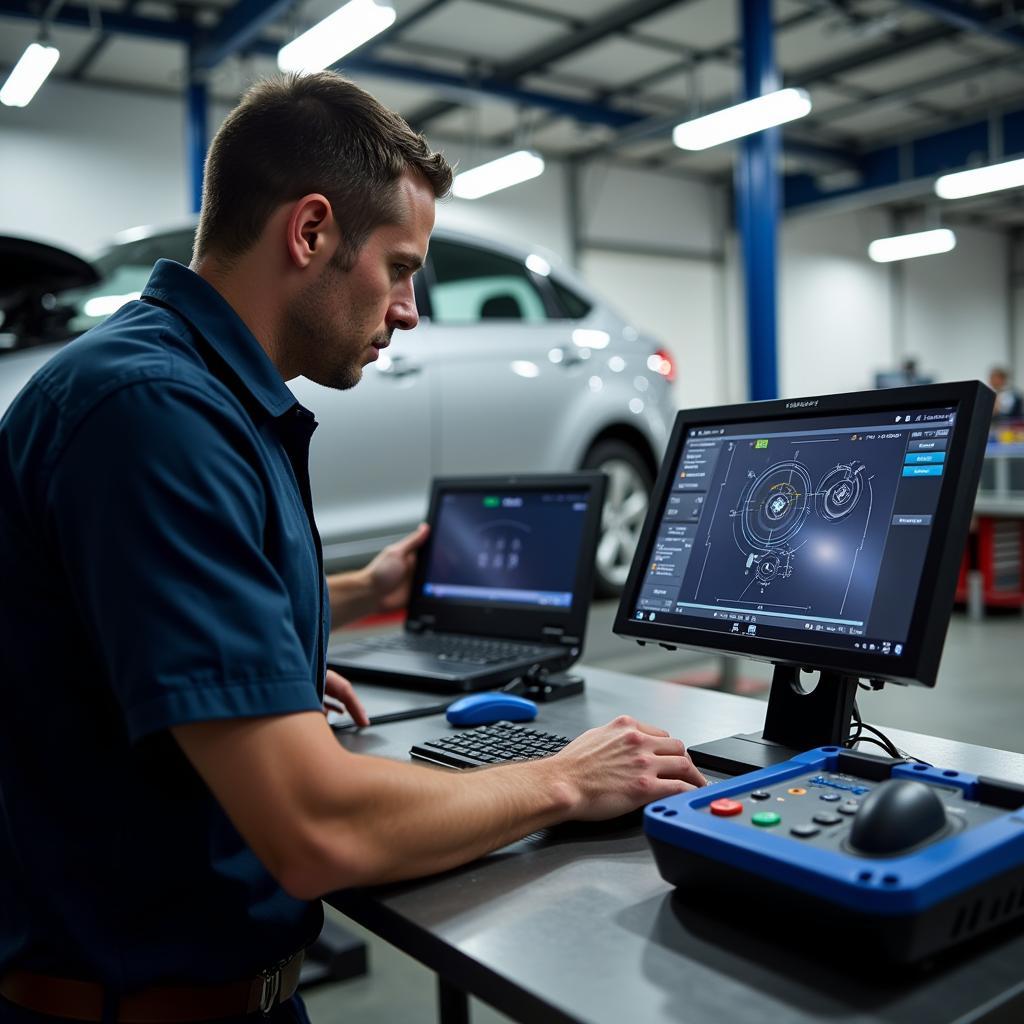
(795, 721)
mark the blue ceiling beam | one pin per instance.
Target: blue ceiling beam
(241, 26)
(924, 157)
(987, 21)
(110, 21)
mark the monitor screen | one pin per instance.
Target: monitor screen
(822, 533)
(517, 547)
(813, 530)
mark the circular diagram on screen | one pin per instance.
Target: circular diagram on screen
(775, 505)
(839, 491)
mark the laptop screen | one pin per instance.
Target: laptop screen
(517, 547)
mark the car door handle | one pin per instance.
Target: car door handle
(570, 355)
(399, 366)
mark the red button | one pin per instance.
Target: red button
(726, 808)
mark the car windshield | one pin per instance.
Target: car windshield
(124, 269)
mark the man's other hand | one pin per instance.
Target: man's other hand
(390, 573)
(624, 765)
(340, 689)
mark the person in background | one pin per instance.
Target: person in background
(1009, 401)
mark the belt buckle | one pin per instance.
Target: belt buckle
(272, 985)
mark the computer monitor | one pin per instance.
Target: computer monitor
(822, 534)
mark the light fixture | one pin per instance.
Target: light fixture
(905, 247)
(339, 33)
(504, 172)
(734, 122)
(28, 74)
(980, 180)
(538, 264)
(104, 305)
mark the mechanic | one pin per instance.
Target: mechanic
(172, 799)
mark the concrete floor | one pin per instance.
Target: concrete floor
(979, 698)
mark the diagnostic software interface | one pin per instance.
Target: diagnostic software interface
(516, 548)
(811, 529)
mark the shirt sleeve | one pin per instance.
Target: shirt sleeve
(157, 507)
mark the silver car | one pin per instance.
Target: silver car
(515, 367)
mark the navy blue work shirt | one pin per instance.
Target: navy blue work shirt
(159, 564)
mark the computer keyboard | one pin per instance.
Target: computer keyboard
(446, 647)
(489, 744)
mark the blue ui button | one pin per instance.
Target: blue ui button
(919, 458)
(922, 470)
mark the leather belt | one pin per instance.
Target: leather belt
(84, 1000)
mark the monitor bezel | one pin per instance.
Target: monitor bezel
(919, 663)
(544, 623)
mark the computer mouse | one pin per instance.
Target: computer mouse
(485, 708)
(897, 815)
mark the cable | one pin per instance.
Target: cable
(878, 739)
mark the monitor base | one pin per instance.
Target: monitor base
(796, 720)
(553, 687)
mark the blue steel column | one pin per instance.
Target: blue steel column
(757, 204)
(195, 131)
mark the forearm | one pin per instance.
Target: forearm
(351, 596)
(402, 821)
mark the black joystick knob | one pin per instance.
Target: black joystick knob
(898, 814)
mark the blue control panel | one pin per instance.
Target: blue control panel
(921, 857)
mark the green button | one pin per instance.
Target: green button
(766, 819)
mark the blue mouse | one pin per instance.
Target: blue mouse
(485, 708)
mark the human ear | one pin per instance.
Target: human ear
(311, 231)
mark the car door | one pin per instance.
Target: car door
(504, 367)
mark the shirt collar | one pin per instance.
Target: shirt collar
(211, 315)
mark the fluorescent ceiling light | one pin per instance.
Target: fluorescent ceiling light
(104, 305)
(980, 180)
(498, 174)
(905, 247)
(339, 33)
(28, 74)
(743, 119)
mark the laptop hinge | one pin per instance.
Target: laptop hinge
(559, 634)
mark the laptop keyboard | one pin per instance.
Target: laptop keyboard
(465, 650)
(488, 745)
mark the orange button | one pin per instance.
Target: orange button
(797, 791)
(725, 808)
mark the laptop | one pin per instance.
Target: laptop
(501, 588)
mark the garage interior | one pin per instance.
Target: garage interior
(903, 91)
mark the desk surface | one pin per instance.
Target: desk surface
(576, 924)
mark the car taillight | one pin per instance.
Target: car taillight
(663, 363)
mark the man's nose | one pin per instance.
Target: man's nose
(402, 314)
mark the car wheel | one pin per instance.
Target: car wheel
(625, 507)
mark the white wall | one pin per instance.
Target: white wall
(81, 163)
(835, 320)
(956, 317)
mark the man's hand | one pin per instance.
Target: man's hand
(383, 586)
(624, 765)
(341, 690)
(390, 573)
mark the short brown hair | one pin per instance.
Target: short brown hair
(296, 134)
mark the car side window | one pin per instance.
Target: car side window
(573, 306)
(471, 285)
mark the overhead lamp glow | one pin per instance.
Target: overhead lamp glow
(104, 305)
(774, 108)
(28, 74)
(906, 247)
(584, 337)
(504, 172)
(339, 33)
(980, 180)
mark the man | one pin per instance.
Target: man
(173, 800)
(1009, 401)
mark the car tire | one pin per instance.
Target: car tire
(630, 483)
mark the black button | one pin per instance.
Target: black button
(760, 794)
(805, 831)
(827, 819)
(829, 797)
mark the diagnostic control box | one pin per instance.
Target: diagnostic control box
(906, 858)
